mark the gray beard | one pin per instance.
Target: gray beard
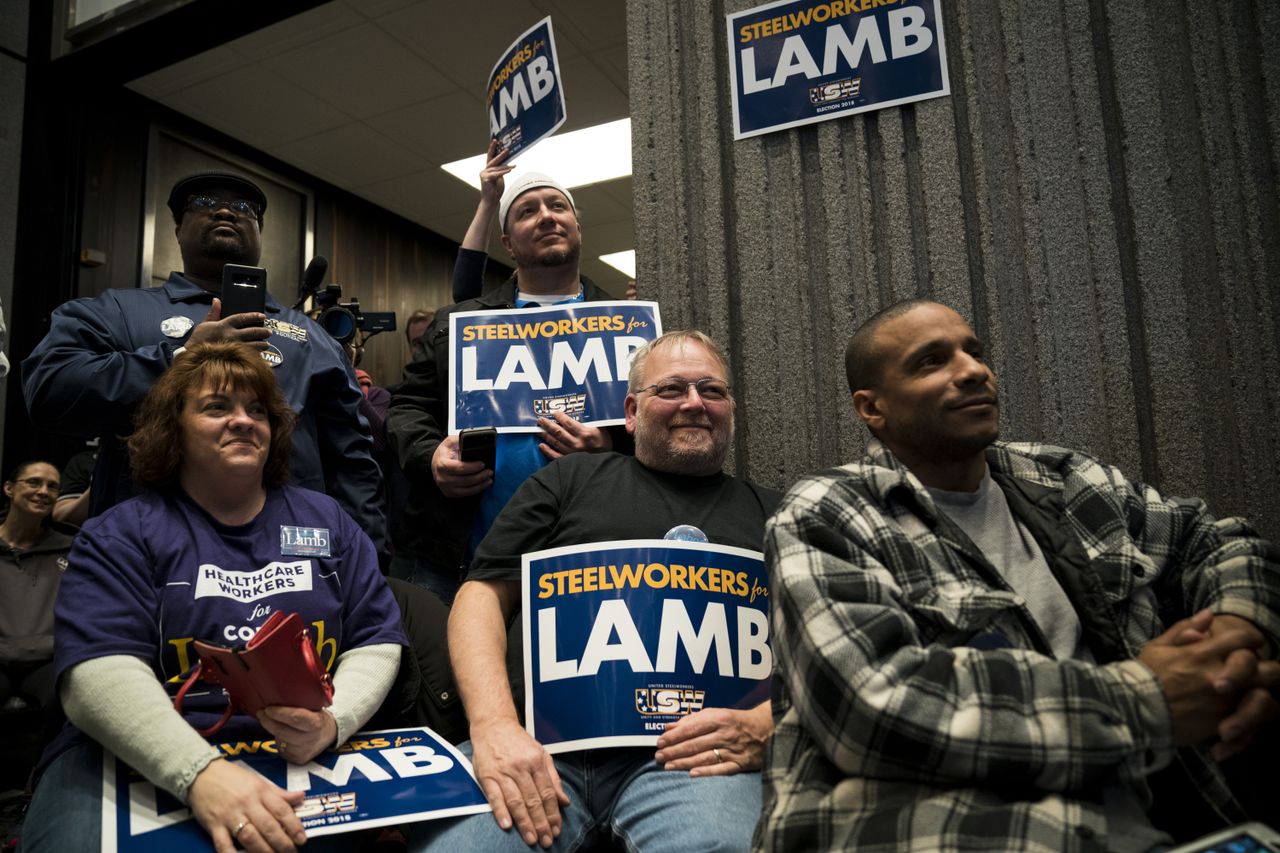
(693, 463)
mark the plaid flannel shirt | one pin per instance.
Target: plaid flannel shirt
(917, 705)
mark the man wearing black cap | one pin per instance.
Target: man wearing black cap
(102, 354)
(451, 502)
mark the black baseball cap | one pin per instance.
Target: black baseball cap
(201, 181)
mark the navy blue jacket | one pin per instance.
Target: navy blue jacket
(103, 353)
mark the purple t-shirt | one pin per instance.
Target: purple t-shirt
(154, 573)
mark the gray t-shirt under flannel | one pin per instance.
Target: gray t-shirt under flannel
(986, 519)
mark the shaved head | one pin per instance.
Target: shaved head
(863, 359)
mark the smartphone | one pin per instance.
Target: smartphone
(478, 445)
(244, 290)
(1244, 838)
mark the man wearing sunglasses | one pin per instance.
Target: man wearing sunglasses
(700, 790)
(102, 354)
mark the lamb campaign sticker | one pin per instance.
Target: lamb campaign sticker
(622, 638)
(304, 541)
(525, 96)
(512, 366)
(796, 62)
(377, 778)
(176, 326)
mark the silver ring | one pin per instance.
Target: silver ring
(719, 760)
(239, 826)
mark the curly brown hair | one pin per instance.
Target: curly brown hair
(155, 447)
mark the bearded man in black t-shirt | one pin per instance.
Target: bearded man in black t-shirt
(701, 789)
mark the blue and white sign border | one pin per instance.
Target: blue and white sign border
(732, 17)
(555, 70)
(527, 611)
(521, 313)
(109, 828)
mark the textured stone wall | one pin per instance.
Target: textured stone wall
(1098, 194)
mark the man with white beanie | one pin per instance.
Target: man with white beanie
(451, 502)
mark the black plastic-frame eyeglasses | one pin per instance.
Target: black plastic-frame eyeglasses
(709, 389)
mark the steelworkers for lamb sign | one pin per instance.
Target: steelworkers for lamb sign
(795, 63)
(377, 778)
(510, 367)
(524, 97)
(622, 638)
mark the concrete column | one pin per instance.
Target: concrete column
(1098, 195)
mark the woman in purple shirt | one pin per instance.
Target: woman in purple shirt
(217, 545)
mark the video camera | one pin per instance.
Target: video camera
(343, 319)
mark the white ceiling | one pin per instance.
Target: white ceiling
(373, 95)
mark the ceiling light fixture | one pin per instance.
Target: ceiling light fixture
(588, 156)
(623, 262)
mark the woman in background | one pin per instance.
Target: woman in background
(218, 545)
(32, 560)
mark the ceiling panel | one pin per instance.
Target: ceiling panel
(378, 8)
(292, 33)
(590, 98)
(612, 62)
(428, 194)
(361, 71)
(443, 129)
(596, 206)
(259, 108)
(463, 43)
(621, 192)
(591, 21)
(197, 69)
(359, 155)
(604, 238)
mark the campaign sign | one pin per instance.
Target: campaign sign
(800, 61)
(375, 779)
(622, 638)
(512, 366)
(525, 95)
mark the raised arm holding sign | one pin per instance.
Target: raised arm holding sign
(473, 253)
(524, 97)
(680, 410)
(447, 496)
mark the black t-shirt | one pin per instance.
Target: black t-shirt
(78, 472)
(599, 497)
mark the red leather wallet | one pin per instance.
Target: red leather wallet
(278, 666)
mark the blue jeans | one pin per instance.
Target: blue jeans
(66, 811)
(621, 793)
(65, 815)
(427, 575)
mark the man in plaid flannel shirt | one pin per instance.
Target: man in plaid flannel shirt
(981, 645)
